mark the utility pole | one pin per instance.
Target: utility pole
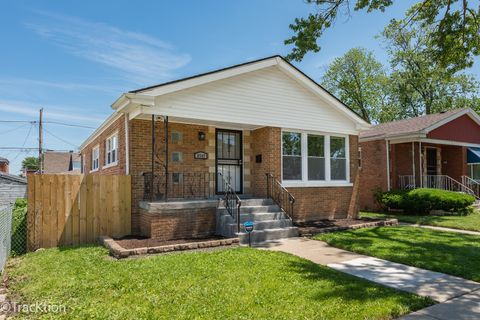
(40, 140)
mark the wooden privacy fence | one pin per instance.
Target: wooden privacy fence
(76, 209)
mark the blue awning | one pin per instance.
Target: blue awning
(473, 155)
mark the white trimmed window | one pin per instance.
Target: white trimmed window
(95, 157)
(111, 150)
(313, 159)
(338, 158)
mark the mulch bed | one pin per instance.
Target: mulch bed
(308, 229)
(133, 243)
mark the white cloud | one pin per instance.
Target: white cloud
(70, 86)
(140, 57)
(51, 112)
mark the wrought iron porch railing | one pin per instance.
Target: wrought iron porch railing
(445, 182)
(231, 201)
(280, 195)
(406, 182)
(472, 184)
(179, 185)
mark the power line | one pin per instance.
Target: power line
(52, 122)
(24, 141)
(70, 124)
(11, 130)
(61, 139)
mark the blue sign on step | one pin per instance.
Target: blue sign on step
(248, 226)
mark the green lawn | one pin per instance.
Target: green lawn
(469, 222)
(447, 252)
(238, 283)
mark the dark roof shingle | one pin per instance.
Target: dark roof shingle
(413, 125)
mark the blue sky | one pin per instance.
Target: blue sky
(74, 58)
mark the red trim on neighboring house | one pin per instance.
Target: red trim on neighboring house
(462, 129)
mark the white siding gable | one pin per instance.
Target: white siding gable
(265, 97)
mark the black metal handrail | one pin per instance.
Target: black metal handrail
(278, 193)
(179, 185)
(231, 201)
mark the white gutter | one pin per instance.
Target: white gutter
(127, 154)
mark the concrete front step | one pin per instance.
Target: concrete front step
(253, 209)
(261, 225)
(255, 217)
(259, 236)
(257, 202)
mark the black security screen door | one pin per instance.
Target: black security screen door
(431, 161)
(229, 159)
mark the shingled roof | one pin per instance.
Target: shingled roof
(410, 126)
(4, 160)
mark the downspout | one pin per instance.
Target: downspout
(166, 158)
(387, 145)
(127, 152)
(153, 159)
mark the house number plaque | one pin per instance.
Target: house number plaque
(200, 155)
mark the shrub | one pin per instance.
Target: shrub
(19, 228)
(422, 201)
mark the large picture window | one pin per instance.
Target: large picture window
(292, 156)
(314, 159)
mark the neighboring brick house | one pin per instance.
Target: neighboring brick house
(235, 124)
(4, 165)
(61, 162)
(439, 150)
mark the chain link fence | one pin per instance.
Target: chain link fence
(5, 234)
(13, 230)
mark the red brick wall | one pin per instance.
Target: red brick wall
(117, 126)
(180, 224)
(140, 133)
(4, 167)
(373, 174)
(456, 161)
(267, 143)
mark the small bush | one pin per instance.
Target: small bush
(19, 228)
(422, 201)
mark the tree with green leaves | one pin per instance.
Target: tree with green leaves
(453, 27)
(360, 81)
(31, 164)
(420, 84)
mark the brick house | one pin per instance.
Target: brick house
(439, 150)
(187, 142)
(4, 163)
(61, 162)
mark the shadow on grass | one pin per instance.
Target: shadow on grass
(451, 253)
(353, 289)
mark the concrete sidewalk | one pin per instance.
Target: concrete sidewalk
(475, 233)
(459, 293)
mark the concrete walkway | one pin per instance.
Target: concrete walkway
(475, 233)
(457, 293)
